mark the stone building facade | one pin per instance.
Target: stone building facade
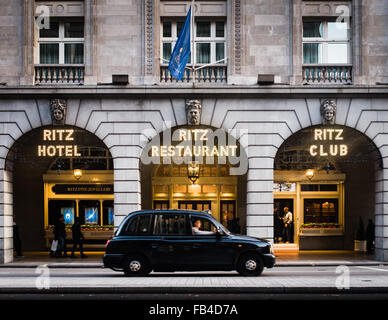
(260, 38)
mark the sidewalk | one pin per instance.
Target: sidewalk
(302, 259)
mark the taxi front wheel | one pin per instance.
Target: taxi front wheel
(136, 266)
(250, 265)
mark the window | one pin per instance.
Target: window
(89, 212)
(319, 187)
(66, 208)
(62, 43)
(139, 224)
(321, 211)
(107, 212)
(209, 39)
(202, 226)
(326, 42)
(171, 224)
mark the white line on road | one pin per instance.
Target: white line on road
(375, 269)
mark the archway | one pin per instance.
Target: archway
(61, 170)
(222, 173)
(326, 176)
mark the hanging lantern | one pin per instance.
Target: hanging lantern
(193, 171)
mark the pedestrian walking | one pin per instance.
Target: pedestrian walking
(235, 226)
(60, 235)
(287, 220)
(370, 236)
(78, 238)
(17, 243)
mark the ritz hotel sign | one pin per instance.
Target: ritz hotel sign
(54, 149)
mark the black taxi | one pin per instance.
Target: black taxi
(180, 240)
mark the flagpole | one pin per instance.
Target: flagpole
(192, 39)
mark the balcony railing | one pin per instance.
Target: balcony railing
(327, 74)
(207, 74)
(59, 74)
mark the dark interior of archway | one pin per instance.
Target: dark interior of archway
(147, 171)
(28, 189)
(359, 165)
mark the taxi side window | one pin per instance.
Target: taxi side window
(202, 226)
(171, 224)
(139, 225)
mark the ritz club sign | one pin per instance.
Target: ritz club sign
(58, 143)
(333, 148)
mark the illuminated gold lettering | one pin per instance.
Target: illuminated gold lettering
(68, 151)
(187, 152)
(182, 134)
(333, 149)
(51, 151)
(154, 151)
(195, 132)
(180, 148)
(47, 135)
(234, 149)
(313, 150)
(204, 135)
(317, 134)
(214, 152)
(163, 151)
(69, 135)
(339, 134)
(41, 151)
(171, 151)
(343, 150)
(76, 153)
(330, 132)
(60, 132)
(321, 151)
(60, 150)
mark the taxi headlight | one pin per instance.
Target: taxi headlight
(271, 248)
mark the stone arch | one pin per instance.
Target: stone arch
(148, 167)
(23, 152)
(359, 153)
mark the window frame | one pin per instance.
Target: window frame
(325, 42)
(137, 216)
(193, 217)
(320, 200)
(212, 40)
(155, 219)
(61, 40)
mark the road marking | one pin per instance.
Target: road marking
(370, 268)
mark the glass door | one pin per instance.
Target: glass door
(161, 204)
(194, 205)
(283, 211)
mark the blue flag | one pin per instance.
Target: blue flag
(181, 52)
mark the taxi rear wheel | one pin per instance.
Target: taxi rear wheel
(136, 266)
(250, 265)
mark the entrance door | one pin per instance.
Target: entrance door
(161, 204)
(194, 205)
(279, 213)
(228, 215)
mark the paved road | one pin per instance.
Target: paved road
(276, 280)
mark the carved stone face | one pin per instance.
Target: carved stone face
(193, 112)
(58, 111)
(328, 111)
(58, 114)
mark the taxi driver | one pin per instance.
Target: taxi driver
(196, 228)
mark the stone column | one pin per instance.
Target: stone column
(260, 197)
(6, 221)
(381, 215)
(127, 197)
